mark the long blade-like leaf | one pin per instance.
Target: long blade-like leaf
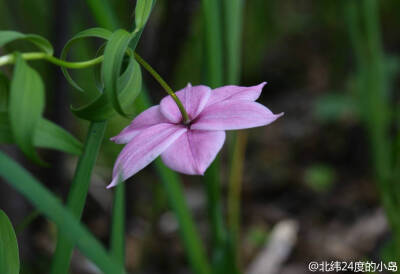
(9, 256)
(50, 206)
(26, 106)
(8, 36)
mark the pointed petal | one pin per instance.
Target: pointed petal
(147, 118)
(193, 99)
(194, 151)
(144, 148)
(234, 114)
(235, 92)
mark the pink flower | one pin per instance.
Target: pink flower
(188, 148)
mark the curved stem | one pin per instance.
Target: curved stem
(166, 87)
(10, 59)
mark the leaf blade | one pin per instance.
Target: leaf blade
(88, 33)
(8, 36)
(26, 105)
(50, 206)
(9, 255)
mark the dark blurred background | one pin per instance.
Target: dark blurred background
(309, 172)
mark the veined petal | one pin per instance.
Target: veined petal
(144, 148)
(234, 114)
(235, 92)
(193, 151)
(147, 118)
(194, 99)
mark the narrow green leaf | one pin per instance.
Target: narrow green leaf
(232, 11)
(4, 91)
(118, 225)
(26, 106)
(213, 40)
(114, 54)
(89, 33)
(8, 36)
(51, 207)
(233, 20)
(47, 135)
(9, 256)
(101, 108)
(142, 12)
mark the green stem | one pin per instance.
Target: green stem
(235, 189)
(214, 206)
(77, 195)
(165, 86)
(10, 59)
(189, 234)
(233, 18)
(118, 225)
(173, 187)
(214, 78)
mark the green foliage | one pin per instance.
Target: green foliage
(47, 135)
(26, 106)
(118, 224)
(114, 53)
(101, 108)
(77, 196)
(10, 36)
(335, 106)
(88, 33)
(142, 12)
(9, 256)
(4, 91)
(22, 121)
(51, 207)
(320, 177)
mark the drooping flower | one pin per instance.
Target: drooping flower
(188, 147)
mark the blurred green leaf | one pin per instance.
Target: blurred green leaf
(103, 13)
(47, 135)
(26, 106)
(8, 36)
(89, 33)
(9, 256)
(335, 106)
(257, 236)
(319, 177)
(114, 54)
(100, 108)
(142, 12)
(51, 206)
(6, 136)
(4, 91)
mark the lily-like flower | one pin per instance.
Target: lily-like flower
(190, 146)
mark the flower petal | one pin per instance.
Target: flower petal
(235, 92)
(193, 151)
(193, 99)
(144, 148)
(147, 118)
(234, 114)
